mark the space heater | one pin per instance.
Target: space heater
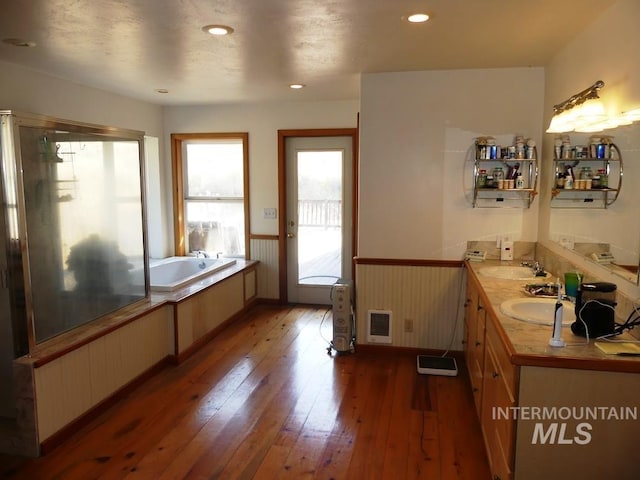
(343, 328)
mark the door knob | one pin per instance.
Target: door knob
(291, 235)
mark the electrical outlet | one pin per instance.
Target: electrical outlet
(566, 241)
(408, 325)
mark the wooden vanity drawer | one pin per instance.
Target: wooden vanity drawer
(507, 370)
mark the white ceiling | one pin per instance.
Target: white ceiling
(133, 47)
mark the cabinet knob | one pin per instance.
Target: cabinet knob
(495, 374)
(480, 307)
(478, 343)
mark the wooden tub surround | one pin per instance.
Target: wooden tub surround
(68, 379)
(547, 412)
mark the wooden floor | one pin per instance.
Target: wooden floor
(264, 400)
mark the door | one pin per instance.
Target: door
(319, 192)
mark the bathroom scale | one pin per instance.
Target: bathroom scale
(431, 365)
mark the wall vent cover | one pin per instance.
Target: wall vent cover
(379, 323)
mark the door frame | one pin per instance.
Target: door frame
(283, 135)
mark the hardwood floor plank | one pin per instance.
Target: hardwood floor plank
(373, 414)
(397, 444)
(337, 454)
(456, 414)
(227, 428)
(263, 400)
(424, 450)
(250, 453)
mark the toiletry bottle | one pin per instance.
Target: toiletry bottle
(482, 178)
(519, 181)
(568, 182)
(568, 179)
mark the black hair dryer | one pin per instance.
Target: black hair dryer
(595, 309)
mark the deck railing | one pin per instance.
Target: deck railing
(320, 213)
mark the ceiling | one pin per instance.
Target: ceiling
(135, 47)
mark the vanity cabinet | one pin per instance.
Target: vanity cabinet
(475, 318)
(489, 191)
(493, 382)
(498, 395)
(596, 195)
(521, 376)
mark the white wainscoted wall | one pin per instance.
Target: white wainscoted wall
(265, 250)
(430, 294)
(72, 384)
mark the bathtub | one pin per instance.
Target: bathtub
(175, 272)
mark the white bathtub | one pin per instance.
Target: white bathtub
(175, 272)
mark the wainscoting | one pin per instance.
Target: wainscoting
(429, 295)
(264, 248)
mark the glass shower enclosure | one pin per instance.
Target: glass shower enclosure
(72, 232)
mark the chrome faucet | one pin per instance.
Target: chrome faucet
(536, 267)
(202, 254)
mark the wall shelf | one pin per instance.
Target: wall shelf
(593, 197)
(486, 191)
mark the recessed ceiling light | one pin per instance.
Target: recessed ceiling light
(162, 90)
(19, 42)
(418, 18)
(218, 30)
(297, 86)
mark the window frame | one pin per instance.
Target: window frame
(177, 148)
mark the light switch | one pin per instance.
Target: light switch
(271, 213)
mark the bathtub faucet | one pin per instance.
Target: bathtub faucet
(202, 254)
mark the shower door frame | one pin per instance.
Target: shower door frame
(17, 275)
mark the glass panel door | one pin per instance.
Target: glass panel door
(318, 216)
(319, 238)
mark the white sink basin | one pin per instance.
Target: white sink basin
(510, 273)
(539, 311)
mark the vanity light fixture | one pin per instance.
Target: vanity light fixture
(575, 112)
(584, 112)
(218, 30)
(297, 86)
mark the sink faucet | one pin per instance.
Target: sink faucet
(536, 267)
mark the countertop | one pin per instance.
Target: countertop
(528, 344)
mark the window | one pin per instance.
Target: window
(210, 173)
